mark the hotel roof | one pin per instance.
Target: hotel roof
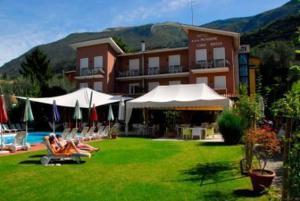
(109, 40)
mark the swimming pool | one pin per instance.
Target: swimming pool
(32, 138)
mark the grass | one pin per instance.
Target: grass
(131, 169)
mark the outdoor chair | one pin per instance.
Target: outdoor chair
(186, 133)
(73, 134)
(209, 131)
(197, 132)
(52, 156)
(103, 132)
(19, 143)
(5, 129)
(83, 133)
(13, 126)
(65, 133)
(19, 127)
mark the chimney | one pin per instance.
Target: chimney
(143, 46)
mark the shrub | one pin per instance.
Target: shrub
(231, 127)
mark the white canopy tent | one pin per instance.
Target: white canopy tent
(83, 96)
(184, 96)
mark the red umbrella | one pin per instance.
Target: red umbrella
(3, 117)
(3, 113)
(94, 115)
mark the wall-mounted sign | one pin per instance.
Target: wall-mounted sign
(244, 49)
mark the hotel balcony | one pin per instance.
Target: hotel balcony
(86, 73)
(153, 72)
(211, 66)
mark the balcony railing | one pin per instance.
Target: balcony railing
(91, 71)
(216, 63)
(152, 71)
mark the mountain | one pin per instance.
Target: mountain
(259, 28)
(248, 24)
(62, 56)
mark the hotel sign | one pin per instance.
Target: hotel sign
(203, 40)
(244, 49)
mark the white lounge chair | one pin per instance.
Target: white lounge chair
(19, 143)
(84, 135)
(52, 156)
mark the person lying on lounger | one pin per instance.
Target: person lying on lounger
(61, 142)
(68, 149)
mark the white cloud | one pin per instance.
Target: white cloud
(161, 8)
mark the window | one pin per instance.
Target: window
(98, 86)
(200, 80)
(174, 60)
(133, 88)
(84, 63)
(219, 57)
(174, 82)
(153, 62)
(153, 65)
(134, 66)
(83, 85)
(220, 82)
(201, 56)
(98, 62)
(152, 85)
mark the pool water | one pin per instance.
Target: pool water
(32, 138)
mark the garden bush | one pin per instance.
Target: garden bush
(231, 127)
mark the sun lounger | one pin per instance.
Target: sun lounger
(18, 126)
(6, 129)
(65, 133)
(52, 156)
(19, 143)
(13, 126)
(102, 132)
(85, 135)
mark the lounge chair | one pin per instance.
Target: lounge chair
(6, 129)
(73, 133)
(102, 132)
(13, 126)
(19, 143)
(84, 135)
(18, 126)
(52, 156)
(65, 133)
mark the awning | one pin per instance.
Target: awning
(189, 96)
(82, 95)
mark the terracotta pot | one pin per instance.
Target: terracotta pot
(261, 181)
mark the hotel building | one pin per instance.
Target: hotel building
(211, 57)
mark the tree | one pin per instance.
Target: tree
(276, 61)
(36, 67)
(121, 44)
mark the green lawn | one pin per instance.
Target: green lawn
(131, 169)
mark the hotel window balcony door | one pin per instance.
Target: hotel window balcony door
(174, 64)
(153, 65)
(84, 66)
(98, 86)
(201, 58)
(219, 57)
(133, 88)
(200, 80)
(134, 67)
(220, 82)
(83, 85)
(98, 65)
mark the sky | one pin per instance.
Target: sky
(28, 23)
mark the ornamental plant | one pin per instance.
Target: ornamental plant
(265, 145)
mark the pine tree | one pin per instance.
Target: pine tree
(36, 67)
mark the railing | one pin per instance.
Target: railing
(152, 71)
(91, 71)
(216, 63)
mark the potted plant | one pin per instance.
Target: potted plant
(265, 144)
(113, 132)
